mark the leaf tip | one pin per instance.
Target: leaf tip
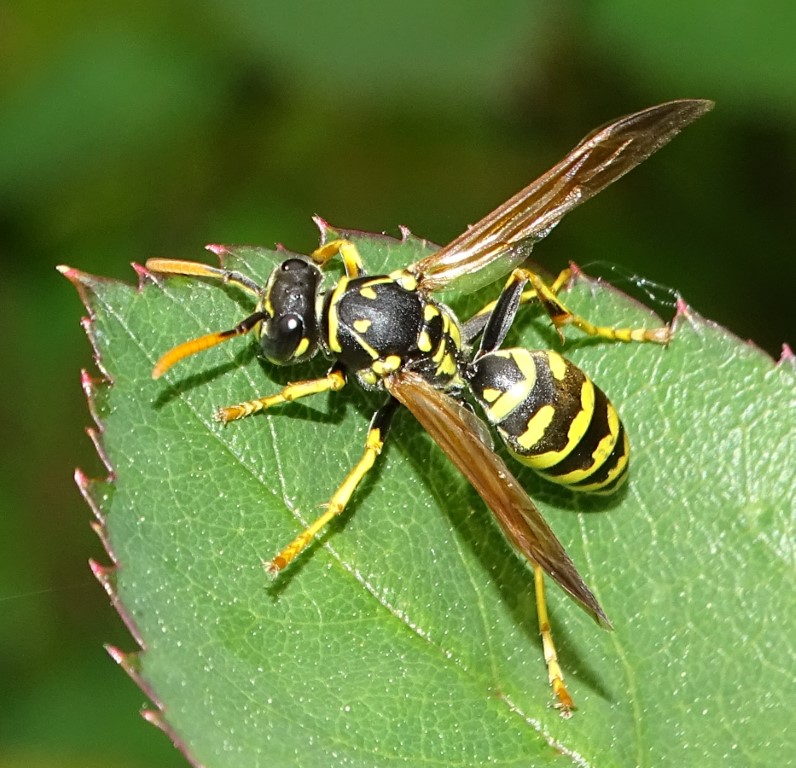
(79, 279)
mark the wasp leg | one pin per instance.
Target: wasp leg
(560, 316)
(333, 381)
(197, 269)
(499, 314)
(377, 434)
(348, 253)
(478, 321)
(554, 674)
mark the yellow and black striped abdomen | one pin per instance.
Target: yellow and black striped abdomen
(552, 417)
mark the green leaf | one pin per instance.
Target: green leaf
(407, 634)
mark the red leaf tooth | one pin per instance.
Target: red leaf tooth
(157, 719)
(142, 272)
(85, 485)
(219, 250)
(681, 308)
(322, 225)
(105, 575)
(129, 662)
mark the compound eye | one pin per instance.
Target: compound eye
(290, 326)
(281, 338)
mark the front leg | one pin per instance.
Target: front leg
(334, 381)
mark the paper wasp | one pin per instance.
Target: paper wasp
(391, 333)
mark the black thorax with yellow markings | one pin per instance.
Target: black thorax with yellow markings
(377, 325)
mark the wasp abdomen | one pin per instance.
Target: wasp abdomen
(552, 417)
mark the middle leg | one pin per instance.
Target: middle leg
(374, 442)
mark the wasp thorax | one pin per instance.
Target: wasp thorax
(290, 332)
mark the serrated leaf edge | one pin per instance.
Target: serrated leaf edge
(107, 575)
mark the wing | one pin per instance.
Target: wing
(458, 433)
(503, 238)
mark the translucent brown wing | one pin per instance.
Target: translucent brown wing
(503, 238)
(459, 433)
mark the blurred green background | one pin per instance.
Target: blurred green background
(133, 130)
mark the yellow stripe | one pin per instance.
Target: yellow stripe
(368, 292)
(579, 425)
(455, 333)
(267, 305)
(302, 347)
(558, 366)
(405, 279)
(362, 325)
(430, 312)
(525, 362)
(490, 395)
(374, 355)
(606, 445)
(620, 467)
(447, 367)
(508, 401)
(440, 353)
(424, 342)
(387, 366)
(534, 432)
(334, 324)
(577, 429)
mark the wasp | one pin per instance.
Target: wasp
(392, 335)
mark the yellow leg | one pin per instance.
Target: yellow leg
(478, 321)
(377, 434)
(560, 315)
(333, 382)
(348, 253)
(554, 673)
(197, 269)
